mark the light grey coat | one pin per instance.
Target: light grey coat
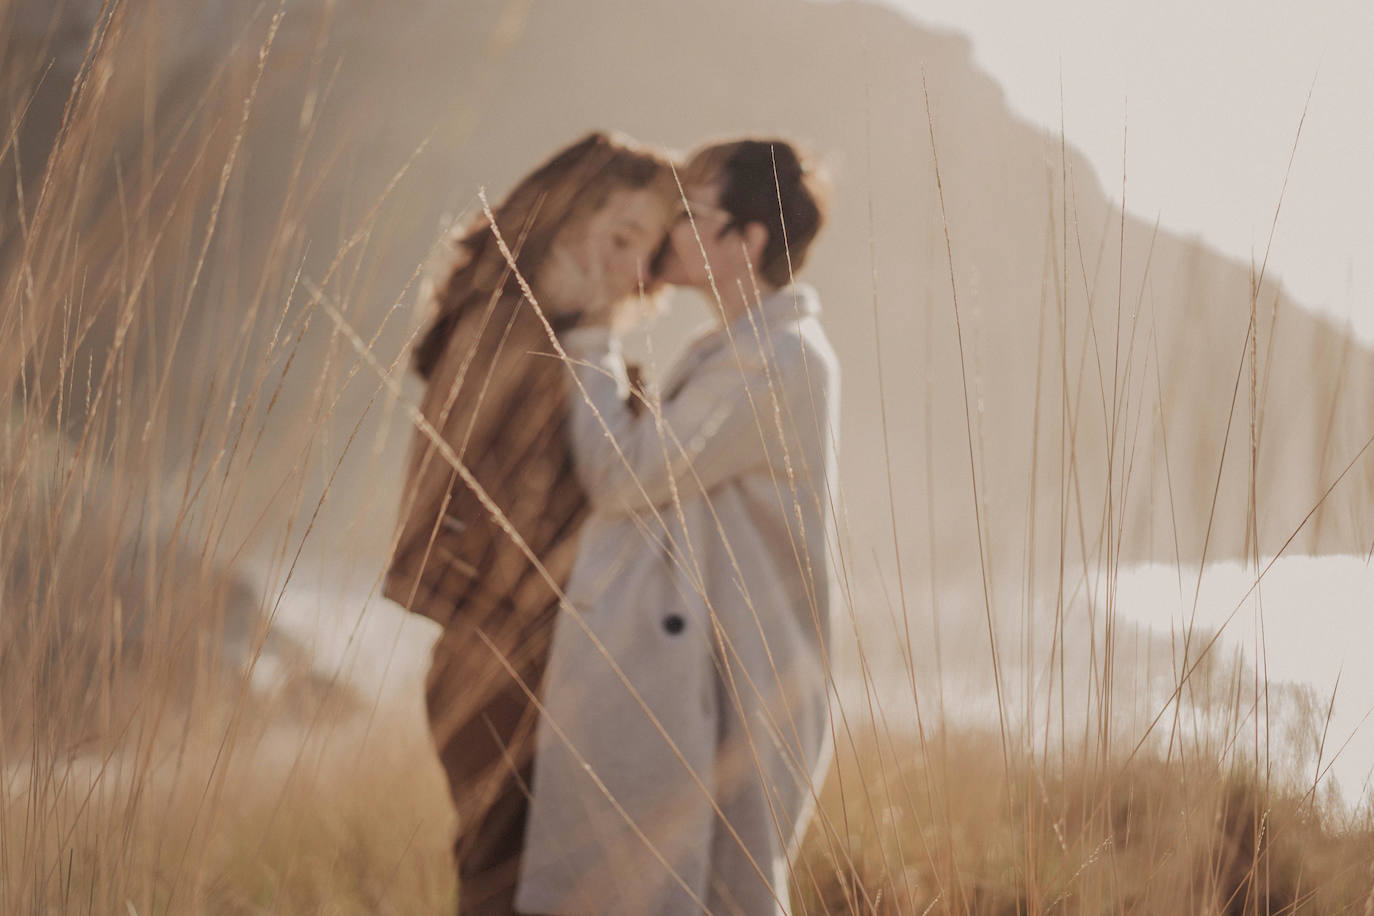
(686, 705)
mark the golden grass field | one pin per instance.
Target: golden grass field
(167, 748)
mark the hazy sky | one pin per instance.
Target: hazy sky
(1211, 94)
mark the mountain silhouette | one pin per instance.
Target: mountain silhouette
(1112, 393)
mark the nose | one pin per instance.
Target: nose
(687, 244)
(682, 237)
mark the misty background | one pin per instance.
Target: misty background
(1147, 395)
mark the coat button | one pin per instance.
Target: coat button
(674, 623)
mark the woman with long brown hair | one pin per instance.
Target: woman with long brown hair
(583, 227)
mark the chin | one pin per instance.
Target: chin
(676, 273)
(674, 270)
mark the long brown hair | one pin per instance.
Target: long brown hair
(569, 187)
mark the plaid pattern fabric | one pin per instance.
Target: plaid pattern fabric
(498, 397)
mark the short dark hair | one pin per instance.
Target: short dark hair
(769, 182)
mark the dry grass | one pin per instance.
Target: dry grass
(360, 824)
(273, 821)
(1149, 837)
(146, 768)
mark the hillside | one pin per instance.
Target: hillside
(1085, 351)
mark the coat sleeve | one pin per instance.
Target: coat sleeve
(721, 423)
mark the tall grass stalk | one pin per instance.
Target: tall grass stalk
(172, 393)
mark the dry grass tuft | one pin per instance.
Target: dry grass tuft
(1173, 839)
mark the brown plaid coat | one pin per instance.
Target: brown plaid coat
(499, 397)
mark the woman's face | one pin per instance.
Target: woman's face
(605, 258)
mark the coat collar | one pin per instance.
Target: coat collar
(790, 303)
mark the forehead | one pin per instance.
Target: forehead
(632, 205)
(706, 167)
(706, 192)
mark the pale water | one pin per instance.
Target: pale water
(1296, 648)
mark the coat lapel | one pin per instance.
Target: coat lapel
(791, 303)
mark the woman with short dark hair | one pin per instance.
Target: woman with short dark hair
(686, 710)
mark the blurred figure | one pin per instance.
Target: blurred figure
(686, 704)
(583, 227)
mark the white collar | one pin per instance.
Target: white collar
(792, 302)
